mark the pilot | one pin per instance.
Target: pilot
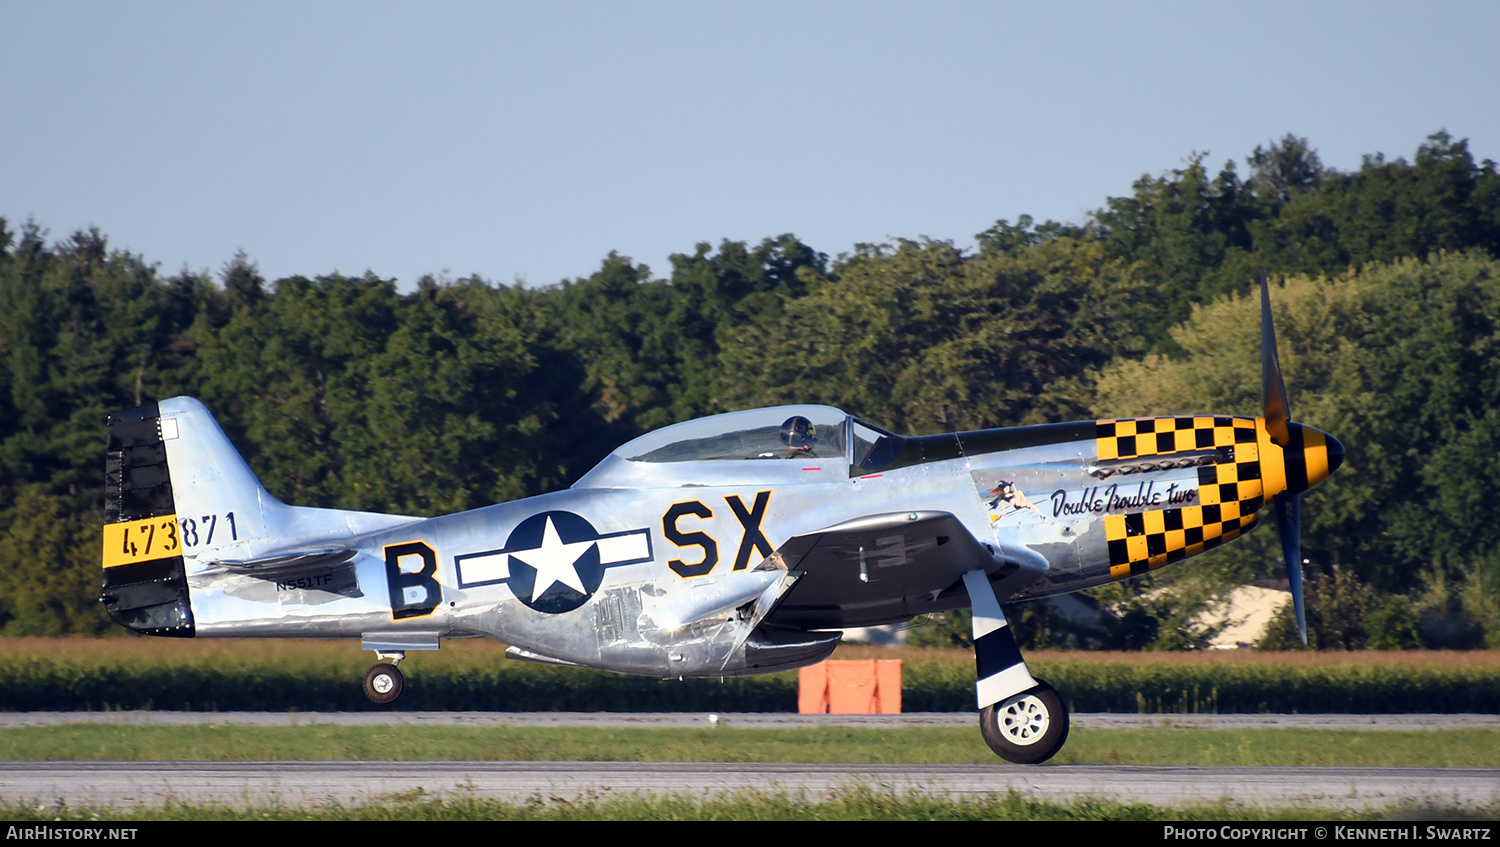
(799, 434)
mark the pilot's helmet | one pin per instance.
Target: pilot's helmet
(797, 432)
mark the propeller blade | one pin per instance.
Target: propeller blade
(1289, 524)
(1273, 389)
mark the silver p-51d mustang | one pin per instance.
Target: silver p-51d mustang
(731, 545)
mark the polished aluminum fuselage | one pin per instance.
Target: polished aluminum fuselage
(672, 561)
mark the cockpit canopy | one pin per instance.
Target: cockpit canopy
(778, 433)
(818, 434)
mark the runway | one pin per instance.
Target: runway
(129, 784)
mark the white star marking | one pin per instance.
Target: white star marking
(554, 562)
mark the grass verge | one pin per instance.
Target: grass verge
(913, 745)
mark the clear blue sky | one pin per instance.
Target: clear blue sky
(527, 140)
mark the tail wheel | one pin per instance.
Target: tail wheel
(1028, 728)
(383, 684)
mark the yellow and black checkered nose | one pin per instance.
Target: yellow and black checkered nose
(1238, 467)
(1226, 454)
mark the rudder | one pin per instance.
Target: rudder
(145, 580)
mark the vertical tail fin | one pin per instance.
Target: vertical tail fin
(223, 512)
(180, 500)
(222, 509)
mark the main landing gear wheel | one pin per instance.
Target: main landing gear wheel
(383, 684)
(1027, 729)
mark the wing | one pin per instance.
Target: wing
(887, 568)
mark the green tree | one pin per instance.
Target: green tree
(927, 339)
(287, 381)
(49, 568)
(1396, 361)
(1177, 228)
(457, 412)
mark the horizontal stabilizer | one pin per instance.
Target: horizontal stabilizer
(281, 562)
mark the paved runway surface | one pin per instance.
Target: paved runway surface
(299, 783)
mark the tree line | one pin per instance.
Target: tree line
(349, 392)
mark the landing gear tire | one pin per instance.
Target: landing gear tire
(383, 684)
(1028, 728)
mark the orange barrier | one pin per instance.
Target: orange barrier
(850, 687)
